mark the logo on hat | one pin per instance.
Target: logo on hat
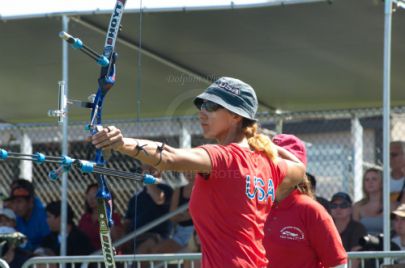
(228, 87)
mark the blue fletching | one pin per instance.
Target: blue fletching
(40, 158)
(86, 166)
(103, 61)
(53, 175)
(149, 179)
(78, 44)
(3, 154)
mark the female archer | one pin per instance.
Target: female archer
(236, 179)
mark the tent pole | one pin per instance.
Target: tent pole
(357, 143)
(386, 125)
(65, 139)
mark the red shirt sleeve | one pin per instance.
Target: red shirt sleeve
(221, 159)
(326, 239)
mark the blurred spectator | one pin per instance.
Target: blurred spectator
(368, 210)
(150, 203)
(7, 218)
(17, 182)
(397, 163)
(194, 246)
(295, 222)
(88, 223)
(184, 227)
(399, 227)
(10, 248)
(350, 231)
(77, 242)
(31, 215)
(323, 201)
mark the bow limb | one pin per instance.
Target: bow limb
(105, 83)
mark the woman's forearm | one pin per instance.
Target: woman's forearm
(156, 154)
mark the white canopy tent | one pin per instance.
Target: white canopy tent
(301, 57)
(12, 10)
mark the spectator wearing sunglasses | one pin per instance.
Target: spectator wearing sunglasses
(296, 221)
(350, 230)
(236, 178)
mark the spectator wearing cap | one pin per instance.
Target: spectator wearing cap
(399, 226)
(7, 217)
(236, 178)
(295, 222)
(31, 215)
(350, 230)
(77, 242)
(11, 250)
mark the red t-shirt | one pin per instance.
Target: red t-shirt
(300, 233)
(92, 228)
(229, 206)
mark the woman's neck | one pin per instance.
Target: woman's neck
(375, 197)
(233, 136)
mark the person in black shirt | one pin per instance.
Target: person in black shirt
(146, 206)
(184, 227)
(77, 242)
(350, 231)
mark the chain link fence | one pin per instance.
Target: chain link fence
(340, 144)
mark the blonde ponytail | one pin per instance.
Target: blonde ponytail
(259, 142)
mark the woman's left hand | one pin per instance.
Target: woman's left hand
(108, 138)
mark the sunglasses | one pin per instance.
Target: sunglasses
(393, 155)
(342, 205)
(209, 106)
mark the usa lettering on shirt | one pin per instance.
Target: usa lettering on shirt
(259, 190)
